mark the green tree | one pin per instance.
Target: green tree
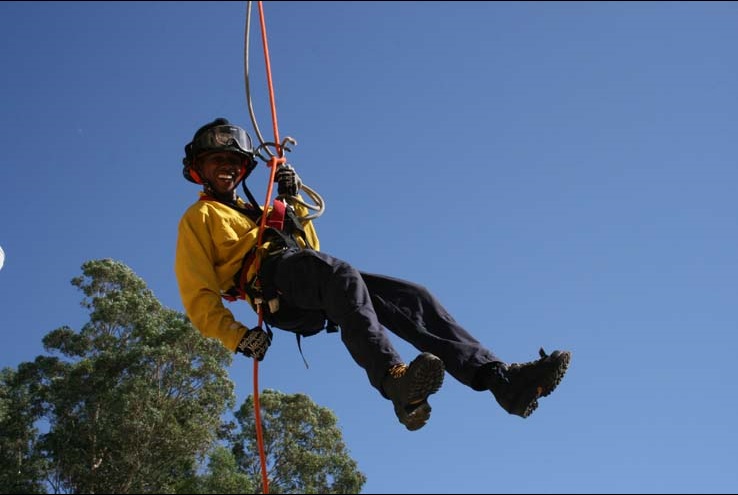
(21, 466)
(303, 445)
(137, 396)
(222, 476)
(134, 401)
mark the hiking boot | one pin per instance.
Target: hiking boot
(517, 387)
(408, 387)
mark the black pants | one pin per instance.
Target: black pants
(314, 285)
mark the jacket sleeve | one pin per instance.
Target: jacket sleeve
(198, 283)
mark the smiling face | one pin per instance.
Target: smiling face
(220, 172)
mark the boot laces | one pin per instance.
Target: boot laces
(520, 366)
(397, 371)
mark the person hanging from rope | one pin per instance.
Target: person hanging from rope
(303, 290)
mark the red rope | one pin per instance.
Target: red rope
(273, 164)
(269, 79)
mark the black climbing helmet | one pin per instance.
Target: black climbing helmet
(218, 135)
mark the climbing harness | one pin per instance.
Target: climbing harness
(282, 228)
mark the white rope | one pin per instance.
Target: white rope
(319, 206)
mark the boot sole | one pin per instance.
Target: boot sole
(528, 401)
(563, 365)
(428, 372)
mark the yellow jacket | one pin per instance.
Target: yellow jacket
(212, 241)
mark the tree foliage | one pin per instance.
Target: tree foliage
(21, 466)
(135, 396)
(134, 403)
(303, 446)
(223, 476)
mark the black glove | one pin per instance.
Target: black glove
(288, 182)
(255, 343)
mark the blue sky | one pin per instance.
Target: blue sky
(559, 174)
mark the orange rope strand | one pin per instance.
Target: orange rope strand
(257, 422)
(269, 79)
(273, 163)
